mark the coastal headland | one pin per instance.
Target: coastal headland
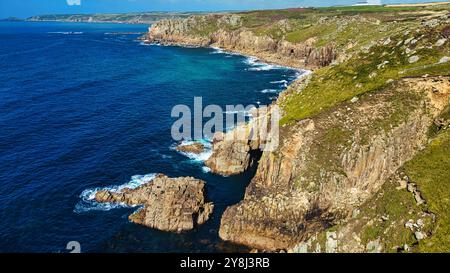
(362, 164)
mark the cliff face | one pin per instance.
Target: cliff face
(329, 164)
(225, 31)
(346, 130)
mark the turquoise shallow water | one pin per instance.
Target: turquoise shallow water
(84, 106)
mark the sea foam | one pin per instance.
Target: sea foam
(66, 32)
(270, 91)
(199, 158)
(257, 65)
(88, 203)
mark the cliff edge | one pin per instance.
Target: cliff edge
(380, 85)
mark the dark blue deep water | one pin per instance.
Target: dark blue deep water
(84, 106)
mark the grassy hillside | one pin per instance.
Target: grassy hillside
(430, 170)
(404, 53)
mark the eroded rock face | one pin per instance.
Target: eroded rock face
(169, 204)
(232, 155)
(196, 148)
(239, 149)
(186, 32)
(329, 164)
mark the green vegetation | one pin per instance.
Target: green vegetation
(378, 44)
(430, 170)
(435, 128)
(369, 71)
(385, 215)
(145, 18)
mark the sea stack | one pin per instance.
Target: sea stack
(168, 204)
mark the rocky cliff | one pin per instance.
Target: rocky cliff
(225, 31)
(331, 163)
(380, 83)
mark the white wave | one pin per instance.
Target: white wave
(148, 44)
(206, 169)
(88, 202)
(270, 91)
(217, 50)
(201, 157)
(300, 73)
(265, 67)
(257, 65)
(282, 81)
(66, 32)
(251, 60)
(246, 113)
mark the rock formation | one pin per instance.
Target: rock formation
(331, 163)
(196, 148)
(239, 149)
(188, 33)
(168, 204)
(337, 150)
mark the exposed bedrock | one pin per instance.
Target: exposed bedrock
(196, 148)
(239, 149)
(228, 35)
(329, 164)
(168, 204)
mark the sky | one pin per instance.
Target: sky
(27, 8)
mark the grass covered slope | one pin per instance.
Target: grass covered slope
(431, 171)
(407, 53)
(370, 46)
(338, 25)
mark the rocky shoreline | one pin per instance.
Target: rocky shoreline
(327, 164)
(268, 50)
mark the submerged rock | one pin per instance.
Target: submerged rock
(168, 204)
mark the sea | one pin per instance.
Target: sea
(87, 106)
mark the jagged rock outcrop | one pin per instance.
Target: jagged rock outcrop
(231, 157)
(189, 32)
(196, 148)
(239, 149)
(332, 158)
(329, 164)
(168, 204)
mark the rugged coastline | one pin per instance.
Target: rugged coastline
(339, 150)
(168, 204)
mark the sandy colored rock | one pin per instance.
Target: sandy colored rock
(315, 178)
(180, 32)
(196, 148)
(168, 204)
(239, 149)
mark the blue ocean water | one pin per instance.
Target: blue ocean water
(84, 106)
